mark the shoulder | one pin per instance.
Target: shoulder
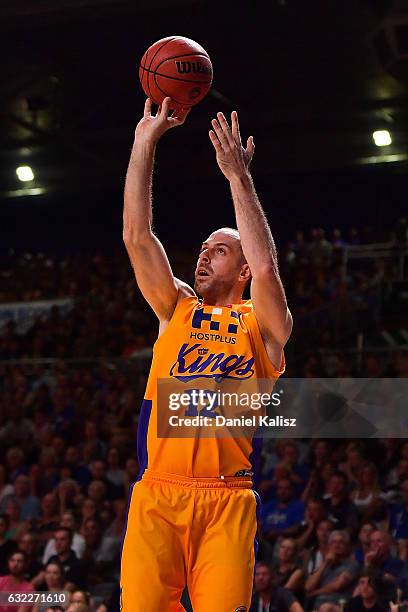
(184, 290)
(350, 566)
(185, 297)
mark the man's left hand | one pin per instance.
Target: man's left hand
(233, 159)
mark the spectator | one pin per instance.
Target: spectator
(271, 598)
(16, 525)
(339, 508)
(68, 492)
(17, 429)
(14, 581)
(366, 497)
(88, 510)
(320, 249)
(320, 453)
(369, 594)
(115, 529)
(79, 471)
(49, 470)
(7, 546)
(353, 463)
(333, 580)
(364, 535)
(282, 517)
(398, 514)
(54, 583)
(379, 556)
(114, 473)
(318, 553)
(5, 487)
(98, 473)
(97, 491)
(80, 597)
(48, 520)
(68, 520)
(314, 514)
(29, 505)
(288, 570)
(67, 558)
(100, 557)
(29, 545)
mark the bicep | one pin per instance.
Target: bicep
(154, 276)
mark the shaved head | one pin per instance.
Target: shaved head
(222, 270)
(234, 234)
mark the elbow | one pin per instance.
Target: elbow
(309, 587)
(267, 272)
(133, 238)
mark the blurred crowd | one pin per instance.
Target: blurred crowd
(110, 318)
(333, 530)
(333, 526)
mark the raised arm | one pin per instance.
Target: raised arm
(147, 255)
(267, 292)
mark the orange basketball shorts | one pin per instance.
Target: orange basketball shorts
(194, 532)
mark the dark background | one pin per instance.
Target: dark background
(304, 77)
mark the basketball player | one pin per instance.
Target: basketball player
(192, 513)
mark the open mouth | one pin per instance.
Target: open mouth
(202, 273)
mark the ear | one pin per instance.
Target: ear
(245, 273)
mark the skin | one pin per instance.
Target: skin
(220, 255)
(338, 550)
(16, 569)
(287, 556)
(264, 586)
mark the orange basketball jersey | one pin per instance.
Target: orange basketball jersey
(202, 343)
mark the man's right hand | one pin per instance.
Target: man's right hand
(152, 127)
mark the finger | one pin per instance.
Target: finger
(215, 141)
(225, 128)
(220, 134)
(250, 148)
(235, 127)
(180, 114)
(147, 108)
(164, 107)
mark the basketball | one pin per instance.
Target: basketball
(177, 67)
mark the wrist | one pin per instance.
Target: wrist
(242, 179)
(146, 144)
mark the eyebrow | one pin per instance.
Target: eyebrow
(217, 244)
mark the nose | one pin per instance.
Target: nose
(205, 257)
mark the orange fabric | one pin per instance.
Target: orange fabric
(203, 344)
(194, 532)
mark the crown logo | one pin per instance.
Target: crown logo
(202, 351)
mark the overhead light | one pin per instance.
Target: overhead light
(25, 173)
(382, 138)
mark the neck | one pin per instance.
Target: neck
(265, 595)
(284, 565)
(63, 556)
(230, 297)
(17, 578)
(369, 602)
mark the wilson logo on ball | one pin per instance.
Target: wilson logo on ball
(192, 67)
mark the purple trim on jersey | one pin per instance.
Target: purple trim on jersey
(255, 459)
(142, 427)
(258, 517)
(126, 520)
